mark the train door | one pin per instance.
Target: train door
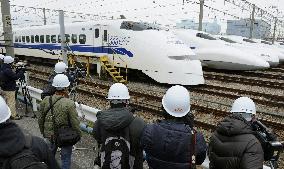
(100, 38)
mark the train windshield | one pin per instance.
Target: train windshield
(249, 40)
(205, 36)
(138, 26)
(227, 40)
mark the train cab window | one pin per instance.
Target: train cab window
(28, 39)
(97, 33)
(53, 38)
(74, 38)
(47, 38)
(32, 39)
(227, 40)
(36, 39)
(205, 36)
(67, 38)
(249, 40)
(82, 38)
(23, 39)
(59, 38)
(105, 35)
(41, 38)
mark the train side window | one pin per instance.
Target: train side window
(32, 39)
(82, 38)
(53, 38)
(36, 39)
(28, 39)
(16, 39)
(41, 38)
(20, 40)
(23, 39)
(97, 33)
(74, 38)
(47, 38)
(67, 38)
(59, 39)
(105, 35)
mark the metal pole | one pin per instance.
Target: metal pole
(200, 14)
(252, 22)
(7, 27)
(62, 35)
(274, 30)
(44, 16)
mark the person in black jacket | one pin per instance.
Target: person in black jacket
(9, 85)
(171, 143)
(13, 140)
(119, 121)
(233, 145)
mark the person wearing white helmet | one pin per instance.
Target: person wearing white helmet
(8, 84)
(173, 142)
(234, 145)
(117, 130)
(58, 112)
(59, 68)
(14, 143)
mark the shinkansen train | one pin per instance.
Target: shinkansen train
(218, 54)
(157, 53)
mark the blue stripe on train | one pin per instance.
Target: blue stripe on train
(78, 48)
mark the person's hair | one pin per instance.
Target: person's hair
(118, 103)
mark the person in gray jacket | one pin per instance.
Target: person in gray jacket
(233, 145)
(118, 133)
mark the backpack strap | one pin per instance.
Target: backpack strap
(28, 140)
(52, 113)
(192, 148)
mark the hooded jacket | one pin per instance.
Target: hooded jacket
(12, 141)
(168, 145)
(10, 77)
(234, 146)
(116, 120)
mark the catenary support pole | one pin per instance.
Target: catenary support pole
(201, 3)
(7, 27)
(62, 35)
(252, 22)
(44, 16)
(274, 30)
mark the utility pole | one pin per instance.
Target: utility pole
(44, 16)
(201, 3)
(7, 27)
(274, 30)
(252, 22)
(62, 35)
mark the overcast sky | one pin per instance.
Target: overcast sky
(160, 10)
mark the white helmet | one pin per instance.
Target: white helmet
(245, 106)
(60, 67)
(118, 91)
(8, 59)
(5, 112)
(60, 81)
(2, 57)
(176, 101)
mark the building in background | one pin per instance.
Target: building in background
(209, 27)
(242, 28)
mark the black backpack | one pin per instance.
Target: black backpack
(26, 159)
(115, 152)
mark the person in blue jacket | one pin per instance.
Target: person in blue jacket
(9, 84)
(173, 143)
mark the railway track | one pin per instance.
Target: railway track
(152, 103)
(244, 80)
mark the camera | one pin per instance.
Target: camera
(271, 147)
(76, 73)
